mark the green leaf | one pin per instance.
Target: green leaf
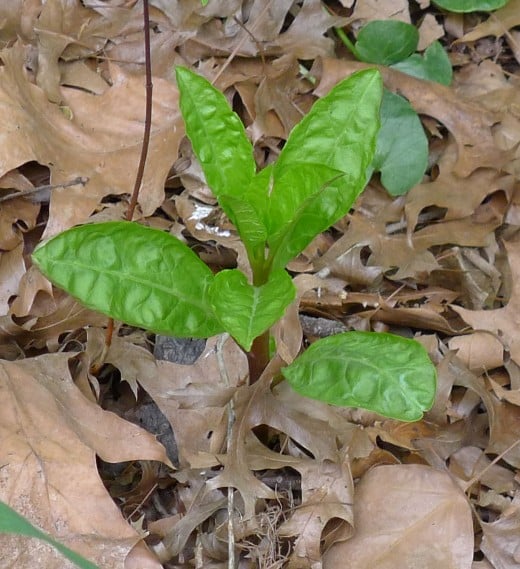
(434, 65)
(246, 311)
(386, 41)
(142, 276)
(323, 166)
(12, 522)
(217, 134)
(387, 374)
(402, 147)
(248, 214)
(465, 6)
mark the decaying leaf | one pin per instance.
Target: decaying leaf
(405, 515)
(51, 435)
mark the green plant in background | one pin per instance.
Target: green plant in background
(402, 147)
(12, 522)
(466, 6)
(150, 279)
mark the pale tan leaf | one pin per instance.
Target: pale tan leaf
(101, 141)
(51, 434)
(404, 516)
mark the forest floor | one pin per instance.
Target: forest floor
(130, 458)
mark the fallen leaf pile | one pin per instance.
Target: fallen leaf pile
(150, 462)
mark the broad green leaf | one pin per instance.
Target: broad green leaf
(323, 166)
(142, 276)
(249, 213)
(12, 522)
(217, 134)
(386, 41)
(305, 215)
(387, 374)
(402, 147)
(246, 311)
(465, 6)
(434, 65)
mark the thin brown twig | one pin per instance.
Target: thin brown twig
(142, 161)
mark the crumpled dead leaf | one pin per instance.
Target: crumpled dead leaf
(51, 434)
(504, 322)
(101, 141)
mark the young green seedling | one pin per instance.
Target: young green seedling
(150, 279)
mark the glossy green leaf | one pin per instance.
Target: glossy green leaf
(323, 166)
(386, 41)
(217, 135)
(387, 374)
(402, 147)
(12, 522)
(142, 276)
(465, 6)
(248, 214)
(434, 65)
(247, 311)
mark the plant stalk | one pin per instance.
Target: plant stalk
(258, 357)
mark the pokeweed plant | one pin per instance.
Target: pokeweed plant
(148, 278)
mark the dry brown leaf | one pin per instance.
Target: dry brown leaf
(469, 462)
(12, 269)
(407, 516)
(193, 398)
(500, 542)
(51, 435)
(429, 31)
(327, 493)
(498, 23)
(381, 10)
(504, 322)
(479, 351)
(101, 142)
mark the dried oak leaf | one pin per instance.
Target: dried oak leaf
(407, 516)
(50, 437)
(101, 140)
(498, 23)
(500, 543)
(502, 322)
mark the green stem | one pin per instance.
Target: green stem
(348, 44)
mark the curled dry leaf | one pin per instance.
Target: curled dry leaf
(405, 515)
(502, 322)
(51, 434)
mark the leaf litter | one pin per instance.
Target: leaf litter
(313, 485)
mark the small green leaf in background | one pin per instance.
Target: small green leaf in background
(12, 522)
(384, 373)
(465, 6)
(247, 311)
(323, 166)
(386, 41)
(142, 276)
(402, 147)
(433, 65)
(217, 134)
